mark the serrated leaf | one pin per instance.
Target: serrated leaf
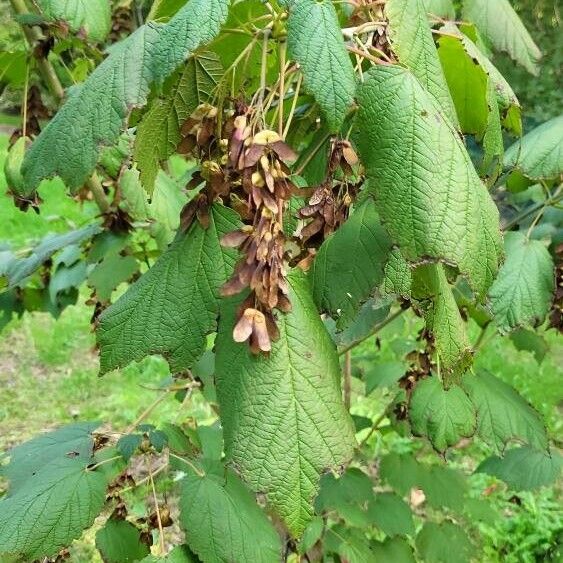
(12, 166)
(398, 275)
(314, 40)
(412, 42)
(127, 445)
(20, 268)
(311, 535)
(522, 293)
(353, 487)
(158, 133)
(180, 554)
(119, 541)
(350, 264)
(178, 441)
(96, 111)
(392, 515)
(444, 487)
(396, 550)
(427, 192)
(402, 472)
(173, 307)
(197, 23)
(444, 320)
(444, 543)
(384, 375)
(472, 87)
(83, 16)
(373, 312)
(441, 8)
(531, 342)
(223, 521)
(73, 441)
(51, 510)
(283, 417)
(444, 416)
(539, 154)
(350, 544)
(110, 273)
(524, 468)
(502, 414)
(500, 25)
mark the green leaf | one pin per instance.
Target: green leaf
(350, 544)
(444, 487)
(473, 83)
(398, 275)
(311, 535)
(353, 487)
(12, 166)
(384, 375)
(531, 342)
(194, 25)
(82, 16)
(20, 268)
(444, 320)
(427, 192)
(96, 111)
(158, 133)
(127, 445)
(412, 42)
(373, 312)
(178, 441)
(441, 8)
(51, 510)
(444, 543)
(524, 468)
(444, 416)
(502, 28)
(110, 273)
(223, 521)
(522, 293)
(74, 440)
(401, 471)
(180, 554)
(539, 154)
(173, 307)
(314, 40)
(396, 550)
(392, 515)
(502, 414)
(283, 416)
(350, 264)
(119, 541)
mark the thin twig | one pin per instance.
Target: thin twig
(157, 508)
(282, 49)
(147, 412)
(197, 471)
(373, 332)
(293, 105)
